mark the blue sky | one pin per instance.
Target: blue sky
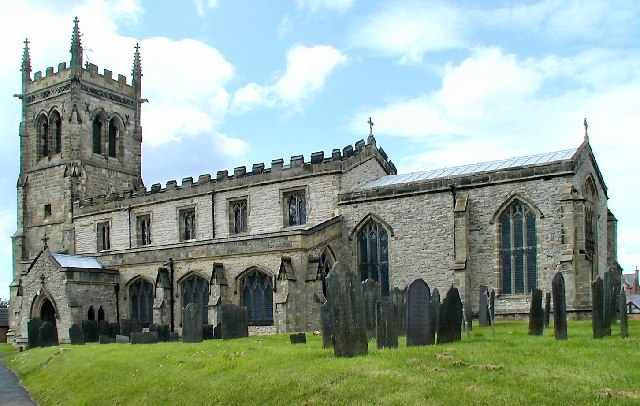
(233, 83)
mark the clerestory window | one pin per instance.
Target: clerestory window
(296, 208)
(143, 229)
(187, 218)
(239, 216)
(104, 237)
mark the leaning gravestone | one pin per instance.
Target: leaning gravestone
(90, 330)
(191, 324)
(483, 307)
(386, 325)
(559, 307)
(345, 299)
(420, 317)
(616, 278)
(536, 313)
(48, 335)
(150, 337)
(624, 319)
(234, 321)
(450, 317)
(547, 308)
(76, 336)
(217, 331)
(397, 298)
(371, 295)
(33, 332)
(435, 308)
(325, 325)
(597, 308)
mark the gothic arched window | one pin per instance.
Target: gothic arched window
(98, 129)
(43, 136)
(55, 125)
(326, 262)
(100, 314)
(141, 298)
(373, 254)
(195, 289)
(114, 132)
(257, 296)
(91, 314)
(590, 225)
(518, 240)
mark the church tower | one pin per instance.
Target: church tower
(80, 136)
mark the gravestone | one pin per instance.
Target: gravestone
(191, 324)
(150, 337)
(76, 336)
(435, 308)
(371, 295)
(207, 331)
(217, 331)
(128, 326)
(298, 338)
(397, 298)
(386, 325)
(559, 307)
(606, 314)
(346, 310)
(492, 306)
(90, 330)
(420, 318)
(624, 319)
(33, 332)
(107, 329)
(105, 339)
(536, 313)
(120, 339)
(616, 289)
(547, 308)
(450, 317)
(174, 336)
(468, 317)
(325, 325)
(48, 335)
(483, 307)
(234, 321)
(597, 308)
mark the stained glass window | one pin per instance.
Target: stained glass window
(518, 251)
(195, 289)
(373, 256)
(141, 298)
(257, 297)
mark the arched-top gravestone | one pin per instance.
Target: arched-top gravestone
(191, 324)
(450, 317)
(420, 317)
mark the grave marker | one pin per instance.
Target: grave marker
(451, 314)
(559, 307)
(191, 324)
(536, 313)
(420, 317)
(386, 325)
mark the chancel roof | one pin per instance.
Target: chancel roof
(456, 171)
(75, 261)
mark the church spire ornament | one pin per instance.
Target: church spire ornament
(586, 130)
(26, 64)
(76, 49)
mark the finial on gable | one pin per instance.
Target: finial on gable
(76, 49)
(586, 130)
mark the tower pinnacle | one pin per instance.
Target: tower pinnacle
(76, 49)
(137, 65)
(26, 64)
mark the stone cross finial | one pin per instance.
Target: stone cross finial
(586, 130)
(370, 126)
(45, 239)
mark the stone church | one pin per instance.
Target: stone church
(92, 242)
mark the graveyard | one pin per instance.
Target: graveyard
(501, 365)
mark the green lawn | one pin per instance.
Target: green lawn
(6, 349)
(505, 367)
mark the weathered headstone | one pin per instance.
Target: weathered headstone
(492, 305)
(128, 326)
(597, 308)
(536, 313)
(345, 298)
(325, 325)
(371, 295)
(397, 298)
(386, 325)
(191, 324)
(298, 338)
(150, 337)
(33, 332)
(207, 331)
(468, 317)
(174, 336)
(450, 317)
(90, 330)
(616, 284)
(107, 329)
(234, 321)
(217, 331)
(48, 335)
(105, 339)
(559, 307)
(120, 339)
(420, 318)
(606, 314)
(624, 319)
(76, 336)
(435, 309)
(483, 307)
(547, 308)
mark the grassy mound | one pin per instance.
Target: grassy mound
(502, 367)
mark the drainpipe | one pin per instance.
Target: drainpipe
(171, 299)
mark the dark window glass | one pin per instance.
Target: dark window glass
(239, 210)
(373, 257)
(518, 251)
(97, 136)
(104, 242)
(187, 224)
(257, 297)
(297, 208)
(195, 289)
(113, 138)
(100, 314)
(141, 297)
(144, 229)
(43, 135)
(91, 314)
(55, 138)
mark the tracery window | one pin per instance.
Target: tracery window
(195, 289)
(518, 241)
(98, 129)
(43, 136)
(104, 238)
(239, 216)
(187, 224)
(296, 213)
(141, 298)
(589, 224)
(113, 137)
(373, 254)
(143, 227)
(257, 297)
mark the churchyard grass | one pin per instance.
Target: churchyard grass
(503, 367)
(6, 349)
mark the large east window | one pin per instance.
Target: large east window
(373, 254)
(518, 240)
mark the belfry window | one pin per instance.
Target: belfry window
(98, 129)
(187, 218)
(239, 216)
(104, 238)
(296, 208)
(257, 296)
(373, 254)
(141, 298)
(43, 136)
(143, 226)
(113, 137)
(55, 137)
(518, 242)
(195, 289)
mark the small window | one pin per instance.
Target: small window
(238, 214)
(187, 224)
(143, 227)
(296, 208)
(114, 132)
(97, 135)
(47, 211)
(104, 241)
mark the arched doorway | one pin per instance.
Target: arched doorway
(48, 312)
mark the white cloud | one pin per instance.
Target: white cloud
(200, 6)
(332, 5)
(307, 71)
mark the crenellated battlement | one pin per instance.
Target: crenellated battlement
(340, 161)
